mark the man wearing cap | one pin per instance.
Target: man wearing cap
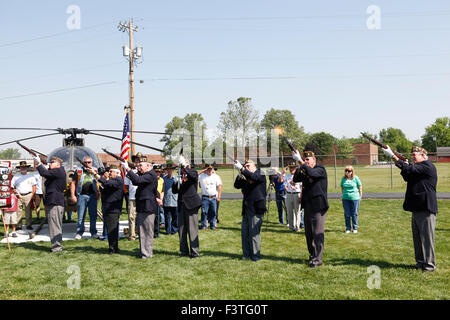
(188, 204)
(211, 186)
(293, 197)
(147, 201)
(112, 201)
(132, 199)
(315, 202)
(55, 185)
(24, 186)
(421, 200)
(253, 186)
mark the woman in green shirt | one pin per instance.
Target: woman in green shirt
(351, 188)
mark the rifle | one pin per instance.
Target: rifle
(38, 229)
(241, 176)
(381, 145)
(34, 154)
(130, 164)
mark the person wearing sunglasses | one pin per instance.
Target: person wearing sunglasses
(351, 188)
(85, 194)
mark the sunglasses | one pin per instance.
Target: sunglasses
(87, 161)
(346, 170)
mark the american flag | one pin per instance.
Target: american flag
(125, 149)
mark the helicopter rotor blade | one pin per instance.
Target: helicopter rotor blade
(34, 137)
(28, 129)
(140, 131)
(136, 143)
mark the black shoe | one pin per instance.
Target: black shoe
(315, 265)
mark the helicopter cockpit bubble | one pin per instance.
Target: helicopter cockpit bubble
(72, 156)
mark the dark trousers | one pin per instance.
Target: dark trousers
(171, 219)
(112, 226)
(251, 236)
(188, 226)
(315, 235)
(423, 226)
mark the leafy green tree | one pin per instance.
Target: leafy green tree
(396, 139)
(10, 154)
(186, 133)
(285, 120)
(321, 143)
(240, 122)
(344, 148)
(439, 130)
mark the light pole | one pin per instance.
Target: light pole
(435, 143)
(133, 54)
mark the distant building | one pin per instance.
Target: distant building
(443, 154)
(363, 153)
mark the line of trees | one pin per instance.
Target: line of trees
(240, 122)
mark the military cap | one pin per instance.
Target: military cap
(419, 149)
(142, 159)
(249, 161)
(292, 164)
(113, 166)
(307, 154)
(137, 156)
(23, 164)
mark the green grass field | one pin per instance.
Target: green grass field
(30, 271)
(374, 179)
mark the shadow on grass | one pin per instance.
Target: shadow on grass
(236, 256)
(368, 263)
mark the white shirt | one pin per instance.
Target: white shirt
(24, 182)
(39, 182)
(209, 184)
(131, 187)
(292, 186)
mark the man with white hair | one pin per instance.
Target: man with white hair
(421, 200)
(24, 187)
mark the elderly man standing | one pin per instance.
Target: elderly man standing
(55, 184)
(253, 186)
(188, 204)
(315, 202)
(24, 186)
(421, 200)
(147, 201)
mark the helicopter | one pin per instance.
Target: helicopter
(73, 150)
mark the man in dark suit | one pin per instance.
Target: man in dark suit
(147, 201)
(55, 184)
(421, 200)
(253, 186)
(315, 202)
(112, 201)
(188, 204)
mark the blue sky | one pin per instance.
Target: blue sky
(321, 61)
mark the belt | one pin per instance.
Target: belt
(209, 197)
(294, 192)
(24, 194)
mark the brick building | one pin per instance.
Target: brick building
(364, 153)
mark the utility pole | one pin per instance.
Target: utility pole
(133, 54)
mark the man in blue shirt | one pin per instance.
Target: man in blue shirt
(170, 202)
(280, 194)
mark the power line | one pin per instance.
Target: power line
(59, 90)
(53, 35)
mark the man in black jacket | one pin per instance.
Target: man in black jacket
(112, 201)
(147, 201)
(188, 204)
(55, 184)
(421, 200)
(253, 186)
(315, 202)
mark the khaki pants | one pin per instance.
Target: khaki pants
(132, 218)
(24, 203)
(293, 211)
